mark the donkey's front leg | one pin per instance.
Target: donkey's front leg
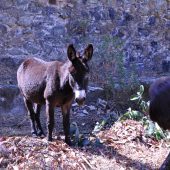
(50, 120)
(66, 122)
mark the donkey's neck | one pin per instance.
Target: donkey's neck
(64, 73)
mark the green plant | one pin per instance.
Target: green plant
(77, 138)
(105, 122)
(152, 129)
(143, 105)
(110, 57)
(132, 114)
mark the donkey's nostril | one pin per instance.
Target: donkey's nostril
(80, 101)
(76, 100)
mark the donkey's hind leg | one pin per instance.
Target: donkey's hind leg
(31, 114)
(37, 119)
(50, 119)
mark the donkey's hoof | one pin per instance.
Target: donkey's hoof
(41, 134)
(50, 139)
(68, 141)
(34, 134)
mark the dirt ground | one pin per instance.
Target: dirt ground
(11, 124)
(120, 146)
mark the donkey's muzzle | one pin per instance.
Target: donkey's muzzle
(80, 101)
(80, 96)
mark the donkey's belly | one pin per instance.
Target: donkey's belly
(34, 92)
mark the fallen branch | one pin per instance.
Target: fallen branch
(87, 162)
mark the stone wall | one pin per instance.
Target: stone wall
(131, 38)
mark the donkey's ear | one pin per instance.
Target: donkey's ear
(88, 52)
(71, 52)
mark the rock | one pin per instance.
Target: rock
(167, 35)
(102, 103)
(94, 93)
(73, 128)
(27, 31)
(113, 116)
(94, 89)
(35, 7)
(31, 47)
(4, 4)
(25, 21)
(45, 46)
(8, 68)
(127, 16)
(117, 87)
(95, 13)
(15, 33)
(7, 20)
(15, 12)
(58, 30)
(21, 2)
(85, 14)
(48, 10)
(84, 1)
(98, 142)
(154, 44)
(81, 114)
(8, 93)
(166, 65)
(85, 112)
(92, 108)
(111, 13)
(85, 142)
(3, 30)
(77, 27)
(100, 111)
(9, 62)
(120, 34)
(152, 21)
(4, 152)
(143, 32)
(52, 2)
(15, 51)
(168, 24)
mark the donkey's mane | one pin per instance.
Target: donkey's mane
(64, 73)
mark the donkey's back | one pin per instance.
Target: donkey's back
(33, 75)
(159, 109)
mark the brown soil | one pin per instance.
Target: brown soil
(124, 146)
